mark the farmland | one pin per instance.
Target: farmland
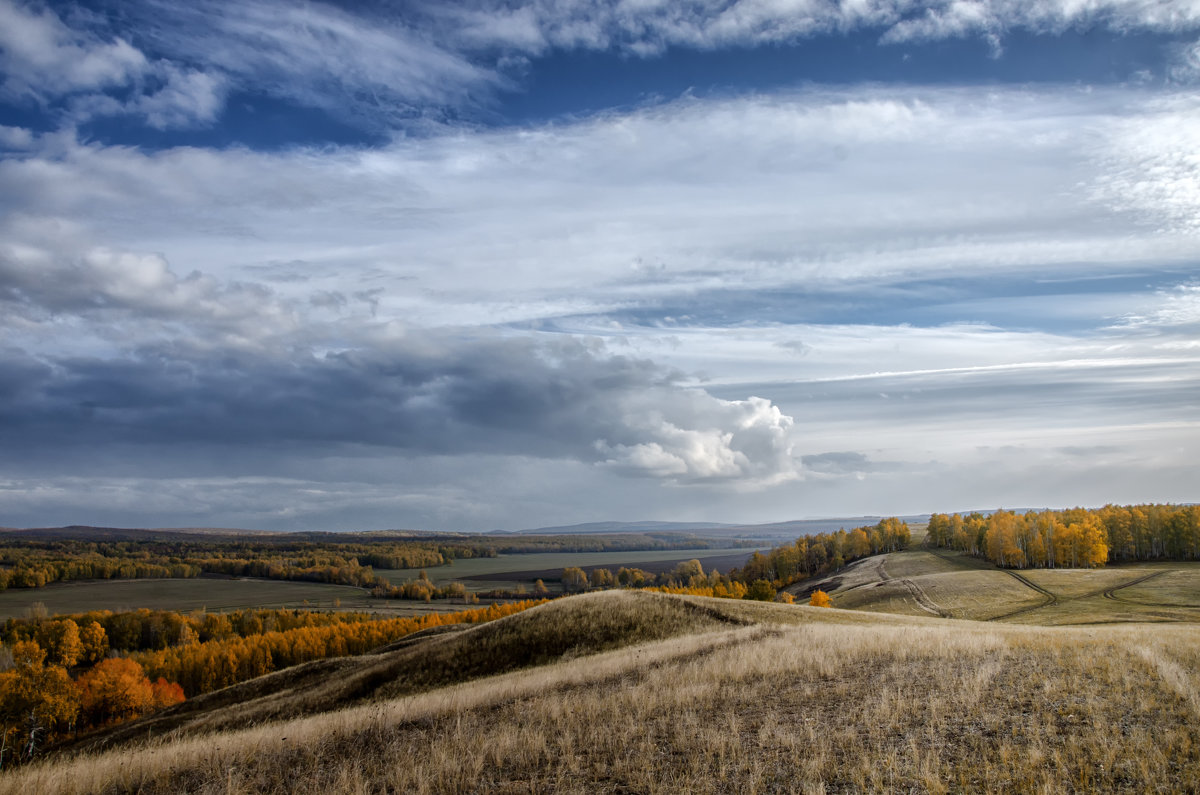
(185, 595)
(228, 593)
(503, 571)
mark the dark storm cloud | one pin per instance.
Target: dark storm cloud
(429, 395)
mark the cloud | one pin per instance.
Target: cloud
(1154, 164)
(748, 441)
(595, 300)
(843, 463)
(174, 64)
(815, 188)
(650, 28)
(426, 394)
(15, 137)
(1177, 309)
(42, 57)
(371, 68)
(51, 277)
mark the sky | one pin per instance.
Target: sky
(496, 264)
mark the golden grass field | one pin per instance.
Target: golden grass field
(939, 674)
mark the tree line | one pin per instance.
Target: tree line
(1073, 538)
(764, 574)
(68, 675)
(33, 560)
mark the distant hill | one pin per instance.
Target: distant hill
(773, 530)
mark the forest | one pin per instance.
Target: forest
(62, 677)
(1074, 538)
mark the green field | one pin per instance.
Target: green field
(202, 593)
(555, 562)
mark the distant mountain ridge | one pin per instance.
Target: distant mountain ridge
(772, 530)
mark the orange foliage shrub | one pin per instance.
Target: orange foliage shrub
(820, 599)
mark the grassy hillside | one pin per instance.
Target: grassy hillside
(642, 692)
(953, 585)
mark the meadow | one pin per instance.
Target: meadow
(921, 581)
(625, 691)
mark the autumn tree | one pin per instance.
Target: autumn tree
(95, 643)
(760, 590)
(114, 690)
(819, 598)
(117, 689)
(61, 641)
(36, 700)
(601, 578)
(574, 579)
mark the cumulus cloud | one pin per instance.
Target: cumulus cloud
(739, 440)
(50, 276)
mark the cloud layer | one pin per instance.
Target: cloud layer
(738, 306)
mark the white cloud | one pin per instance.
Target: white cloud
(1154, 164)
(648, 28)
(143, 277)
(754, 193)
(692, 437)
(1177, 309)
(40, 55)
(188, 97)
(374, 68)
(15, 137)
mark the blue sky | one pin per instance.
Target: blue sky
(497, 265)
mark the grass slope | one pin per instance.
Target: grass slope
(636, 692)
(430, 659)
(953, 585)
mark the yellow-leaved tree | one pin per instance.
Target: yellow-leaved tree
(820, 599)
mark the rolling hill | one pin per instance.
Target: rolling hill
(623, 691)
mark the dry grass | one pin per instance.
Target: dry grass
(920, 582)
(432, 659)
(733, 697)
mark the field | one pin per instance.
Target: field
(504, 571)
(639, 692)
(953, 585)
(213, 594)
(218, 594)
